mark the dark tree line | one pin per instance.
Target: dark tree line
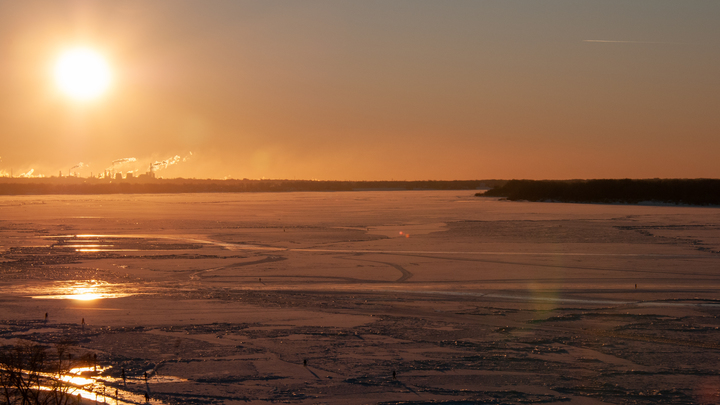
(628, 191)
(164, 186)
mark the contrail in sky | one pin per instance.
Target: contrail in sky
(629, 42)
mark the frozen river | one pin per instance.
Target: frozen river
(465, 298)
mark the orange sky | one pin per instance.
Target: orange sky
(368, 90)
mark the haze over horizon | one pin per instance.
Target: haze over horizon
(371, 90)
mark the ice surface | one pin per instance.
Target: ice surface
(221, 297)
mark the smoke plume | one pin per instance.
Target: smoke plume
(118, 162)
(29, 174)
(78, 166)
(159, 165)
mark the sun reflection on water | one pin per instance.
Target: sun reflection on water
(75, 377)
(90, 383)
(107, 250)
(89, 290)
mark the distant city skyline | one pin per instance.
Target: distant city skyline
(370, 90)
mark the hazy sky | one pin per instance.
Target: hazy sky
(369, 89)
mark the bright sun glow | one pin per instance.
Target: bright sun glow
(82, 74)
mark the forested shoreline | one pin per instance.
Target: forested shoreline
(71, 185)
(626, 191)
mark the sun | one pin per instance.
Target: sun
(82, 74)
